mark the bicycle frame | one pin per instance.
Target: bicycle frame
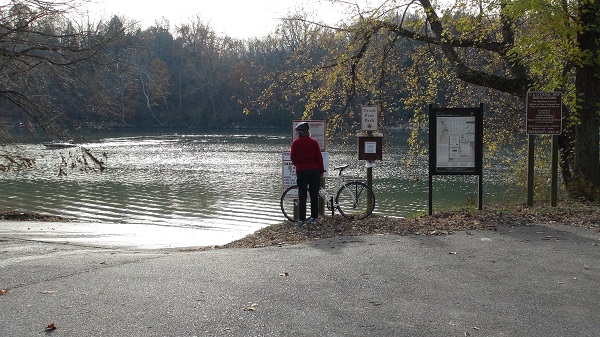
(339, 181)
(352, 198)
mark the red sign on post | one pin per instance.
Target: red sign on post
(544, 113)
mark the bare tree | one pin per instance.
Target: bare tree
(44, 55)
(39, 46)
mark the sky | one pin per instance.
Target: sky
(235, 18)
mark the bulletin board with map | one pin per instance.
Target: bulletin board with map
(455, 145)
(455, 140)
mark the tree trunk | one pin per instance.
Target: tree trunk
(587, 155)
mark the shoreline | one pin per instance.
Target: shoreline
(492, 217)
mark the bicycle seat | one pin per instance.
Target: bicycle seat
(341, 168)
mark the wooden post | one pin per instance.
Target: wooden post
(430, 201)
(530, 169)
(554, 173)
(321, 200)
(370, 182)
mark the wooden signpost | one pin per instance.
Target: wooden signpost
(544, 117)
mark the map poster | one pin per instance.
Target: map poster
(455, 141)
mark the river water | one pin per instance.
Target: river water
(226, 183)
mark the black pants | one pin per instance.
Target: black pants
(308, 181)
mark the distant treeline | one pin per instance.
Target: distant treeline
(66, 72)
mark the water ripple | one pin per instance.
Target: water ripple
(228, 183)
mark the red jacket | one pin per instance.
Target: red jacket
(306, 154)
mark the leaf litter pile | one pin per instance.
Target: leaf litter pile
(439, 223)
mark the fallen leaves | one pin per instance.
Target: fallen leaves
(3, 292)
(51, 327)
(439, 223)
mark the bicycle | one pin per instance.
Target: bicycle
(353, 199)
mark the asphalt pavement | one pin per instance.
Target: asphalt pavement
(538, 280)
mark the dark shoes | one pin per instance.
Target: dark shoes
(309, 221)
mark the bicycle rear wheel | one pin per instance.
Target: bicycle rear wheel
(289, 203)
(355, 200)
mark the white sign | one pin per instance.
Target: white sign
(318, 130)
(370, 147)
(288, 170)
(368, 120)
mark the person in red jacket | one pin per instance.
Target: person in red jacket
(306, 157)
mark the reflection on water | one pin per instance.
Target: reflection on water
(227, 183)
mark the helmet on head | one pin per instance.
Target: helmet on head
(303, 126)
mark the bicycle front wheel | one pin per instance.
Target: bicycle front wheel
(289, 203)
(355, 200)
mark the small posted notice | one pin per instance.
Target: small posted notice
(370, 147)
